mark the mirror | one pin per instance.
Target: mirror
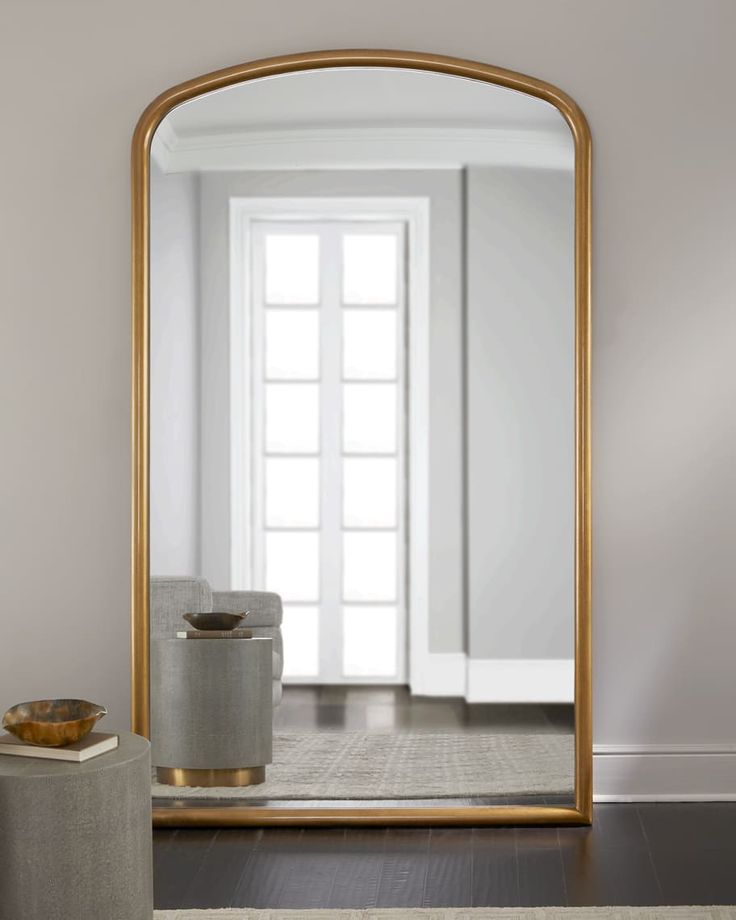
(368, 447)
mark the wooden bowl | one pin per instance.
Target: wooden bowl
(52, 723)
(209, 621)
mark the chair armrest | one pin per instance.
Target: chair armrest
(264, 606)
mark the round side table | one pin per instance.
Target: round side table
(211, 711)
(76, 837)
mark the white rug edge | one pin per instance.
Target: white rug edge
(618, 912)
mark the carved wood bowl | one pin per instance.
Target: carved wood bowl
(52, 723)
(215, 620)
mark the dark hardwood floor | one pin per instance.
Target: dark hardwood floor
(393, 708)
(633, 854)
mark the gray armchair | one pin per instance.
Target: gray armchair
(171, 597)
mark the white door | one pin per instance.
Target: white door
(327, 304)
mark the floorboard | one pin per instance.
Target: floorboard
(633, 854)
(449, 868)
(495, 867)
(359, 878)
(404, 868)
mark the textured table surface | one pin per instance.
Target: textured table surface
(129, 748)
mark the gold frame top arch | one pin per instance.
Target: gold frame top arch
(581, 812)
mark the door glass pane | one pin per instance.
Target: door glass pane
(369, 418)
(292, 565)
(292, 268)
(369, 492)
(300, 631)
(292, 344)
(369, 641)
(369, 344)
(292, 492)
(369, 566)
(292, 418)
(369, 268)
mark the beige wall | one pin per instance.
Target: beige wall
(655, 78)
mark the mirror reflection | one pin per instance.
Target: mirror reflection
(362, 343)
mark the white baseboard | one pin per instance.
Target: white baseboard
(664, 773)
(494, 680)
(520, 680)
(439, 674)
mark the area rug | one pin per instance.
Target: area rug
(366, 765)
(462, 913)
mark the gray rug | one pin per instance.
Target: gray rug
(366, 765)
(463, 913)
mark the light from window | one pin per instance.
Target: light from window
(369, 641)
(292, 492)
(369, 566)
(292, 418)
(369, 268)
(369, 492)
(292, 564)
(369, 344)
(292, 344)
(369, 418)
(292, 268)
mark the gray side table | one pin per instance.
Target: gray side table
(211, 711)
(76, 838)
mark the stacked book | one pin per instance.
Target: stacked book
(94, 744)
(215, 634)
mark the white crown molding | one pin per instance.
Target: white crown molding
(164, 143)
(437, 147)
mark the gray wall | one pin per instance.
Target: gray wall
(520, 406)
(443, 188)
(655, 80)
(174, 508)
(518, 228)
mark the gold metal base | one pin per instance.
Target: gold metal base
(238, 776)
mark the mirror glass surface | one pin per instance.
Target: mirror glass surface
(362, 433)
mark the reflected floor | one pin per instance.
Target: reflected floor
(372, 708)
(369, 745)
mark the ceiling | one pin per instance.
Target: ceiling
(330, 117)
(363, 96)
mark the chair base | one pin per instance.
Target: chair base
(237, 776)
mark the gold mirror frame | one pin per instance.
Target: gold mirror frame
(189, 815)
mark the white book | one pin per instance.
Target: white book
(215, 634)
(93, 745)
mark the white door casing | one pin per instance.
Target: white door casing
(331, 222)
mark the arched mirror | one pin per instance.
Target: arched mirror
(361, 584)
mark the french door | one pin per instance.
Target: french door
(327, 447)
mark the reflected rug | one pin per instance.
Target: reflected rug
(367, 765)
(462, 913)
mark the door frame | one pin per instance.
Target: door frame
(414, 213)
